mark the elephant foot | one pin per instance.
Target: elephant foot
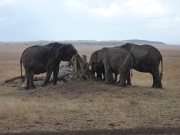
(27, 88)
(100, 79)
(54, 82)
(84, 77)
(34, 87)
(114, 81)
(117, 82)
(121, 85)
(30, 88)
(108, 82)
(128, 84)
(159, 86)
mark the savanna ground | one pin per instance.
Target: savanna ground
(89, 105)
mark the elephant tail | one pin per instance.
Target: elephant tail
(161, 75)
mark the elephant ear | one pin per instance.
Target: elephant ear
(59, 51)
(100, 56)
(65, 52)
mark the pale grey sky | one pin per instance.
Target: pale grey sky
(29, 20)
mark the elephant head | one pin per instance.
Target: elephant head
(96, 57)
(66, 52)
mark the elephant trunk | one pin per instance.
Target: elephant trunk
(92, 60)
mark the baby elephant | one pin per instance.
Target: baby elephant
(115, 60)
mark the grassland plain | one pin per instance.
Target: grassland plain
(88, 105)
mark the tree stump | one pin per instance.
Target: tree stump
(78, 65)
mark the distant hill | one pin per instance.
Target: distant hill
(137, 41)
(93, 42)
(113, 42)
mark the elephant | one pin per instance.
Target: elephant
(40, 59)
(98, 68)
(146, 58)
(115, 60)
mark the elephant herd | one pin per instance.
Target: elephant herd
(106, 61)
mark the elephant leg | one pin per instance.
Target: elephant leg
(99, 76)
(92, 73)
(48, 75)
(27, 76)
(116, 78)
(128, 79)
(123, 77)
(30, 83)
(156, 79)
(103, 76)
(32, 86)
(108, 75)
(55, 75)
(27, 84)
(122, 82)
(153, 85)
(159, 84)
(111, 78)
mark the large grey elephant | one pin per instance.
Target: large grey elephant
(117, 61)
(146, 58)
(40, 59)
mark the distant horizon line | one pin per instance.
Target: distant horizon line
(82, 40)
(94, 40)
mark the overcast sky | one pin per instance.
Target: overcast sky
(27, 20)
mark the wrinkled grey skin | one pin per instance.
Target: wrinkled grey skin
(41, 59)
(146, 58)
(117, 61)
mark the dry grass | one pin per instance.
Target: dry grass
(13, 109)
(89, 105)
